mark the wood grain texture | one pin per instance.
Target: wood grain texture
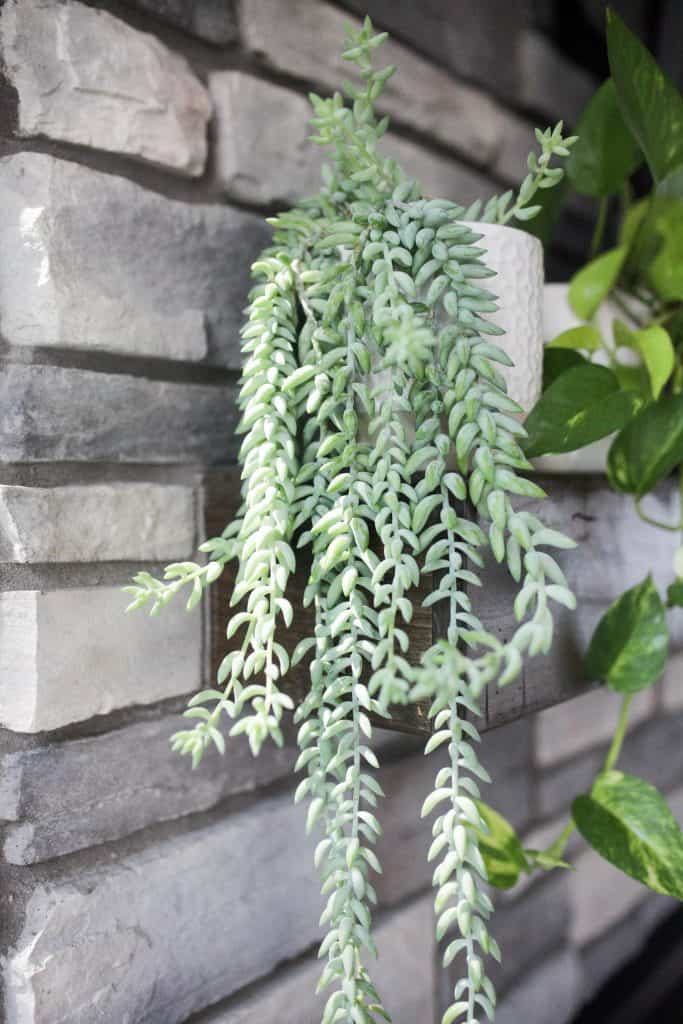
(615, 551)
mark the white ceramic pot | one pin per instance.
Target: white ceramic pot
(517, 259)
(558, 316)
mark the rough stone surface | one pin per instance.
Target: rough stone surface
(69, 796)
(305, 38)
(159, 934)
(50, 413)
(257, 165)
(86, 77)
(212, 20)
(601, 896)
(479, 41)
(99, 263)
(585, 722)
(549, 83)
(97, 523)
(672, 686)
(282, 165)
(68, 655)
(134, 934)
(402, 974)
(548, 995)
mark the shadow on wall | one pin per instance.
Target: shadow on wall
(649, 988)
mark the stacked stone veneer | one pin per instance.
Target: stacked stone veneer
(141, 144)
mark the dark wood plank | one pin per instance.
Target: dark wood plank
(615, 551)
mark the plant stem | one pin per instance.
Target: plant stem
(620, 732)
(557, 848)
(600, 224)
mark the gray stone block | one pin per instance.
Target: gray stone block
(69, 796)
(478, 41)
(50, 413)
(402, 974)
(282, 165)
(84, 76)
(68, 655)
(549, 82)
(97, 523)
(155, 277)
(305, 38)
(212, 20)
(136, 931)
(159, 934)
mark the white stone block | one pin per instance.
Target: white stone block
(97, 523)
(84, 76)
(68, 655)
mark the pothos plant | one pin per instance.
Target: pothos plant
(620, 371)
(370, 480)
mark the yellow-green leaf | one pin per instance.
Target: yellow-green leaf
(593, 283)
(630, 824)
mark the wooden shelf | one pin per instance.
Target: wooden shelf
(615, 551)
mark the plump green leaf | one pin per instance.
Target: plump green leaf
(653, 231)
(648, 448)
(593, 283)
(674, 594)
(630, 645)
(651, 105)
(501, 849)
(630, 824)
(654, 344)
(582, 405)
(586, 338)
(557, 361)
(606, 153)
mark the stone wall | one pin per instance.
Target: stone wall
(141, 143)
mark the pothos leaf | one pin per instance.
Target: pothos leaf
(630, 645)
(651, 105)
(629, 824)
(501, 849)
(606, 153)
(582, 405)
(648, 448)
(593, 283)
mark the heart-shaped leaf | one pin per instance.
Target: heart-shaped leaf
(674, 594)
(501, 849)
(606, 153)
(557, 361)
(654, 345)
(586, 338)
(648, 448)
(651, 105)
(593, 283)
(630, 824)
(629, 647)
(653, 231)
(582, 405)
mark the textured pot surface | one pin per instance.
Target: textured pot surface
(517, 258)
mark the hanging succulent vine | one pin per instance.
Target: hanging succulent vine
(369, 376)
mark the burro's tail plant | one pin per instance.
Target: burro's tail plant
(374, 414)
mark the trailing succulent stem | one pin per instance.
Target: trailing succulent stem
(373, 409)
